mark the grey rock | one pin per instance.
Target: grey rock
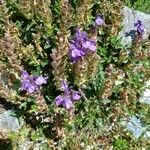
(8, 122)
(26, 144)
(128, 31)
(134, 125)
(145, 98)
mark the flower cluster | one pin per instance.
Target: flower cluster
(69, 96)
(30, 83)
(139, 27)
(81, 45)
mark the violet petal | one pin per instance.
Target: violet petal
(41, 80)
(76, 95)
(58, 100)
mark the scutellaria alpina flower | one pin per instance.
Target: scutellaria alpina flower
(139, 27)
(99, 21)
(68, 97)
(80, 45)
(31, 84)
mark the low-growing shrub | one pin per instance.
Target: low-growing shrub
(64, 69)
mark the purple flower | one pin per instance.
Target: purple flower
(64, 101)
(68, 97)
(65, 87)
(59, 100)
(41, 80)
(68, 103)
(24, 74)
(91, 45)
(99, 21)
(139, 27)
(81, 45)
(32, 88)
(31, 84)
(76, 95)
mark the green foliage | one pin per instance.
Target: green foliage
(35, 36)
(141, 5)
(121, 144)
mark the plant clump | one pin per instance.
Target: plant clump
(65, 71)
